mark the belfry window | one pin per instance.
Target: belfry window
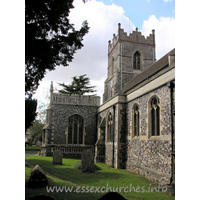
(136, 60)
(109, 128)
(154, 117)
(75, 129)
(135, 120)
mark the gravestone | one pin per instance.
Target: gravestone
(38, 144)
(37, 177)
(112, 195)
(57, 157)
(87, 158)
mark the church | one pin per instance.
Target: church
(134, 128)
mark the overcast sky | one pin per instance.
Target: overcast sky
(103, 18)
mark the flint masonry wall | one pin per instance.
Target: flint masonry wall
(120, 53)
(119, 136)
(63, 106)
(151, 156)
(61, 113)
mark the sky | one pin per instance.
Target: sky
(103, 18)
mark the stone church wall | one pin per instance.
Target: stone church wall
(60, 114)
(147, 155)
(120, 59)
(108, 146)
(119, 136)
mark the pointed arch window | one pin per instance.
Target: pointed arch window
(135, 121)
(137, 61)
(75, 129)
(109, 128)
(154, 116)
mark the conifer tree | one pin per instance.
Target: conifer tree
(78, 86)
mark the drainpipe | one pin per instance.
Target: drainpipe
(113, 135)
(171, 86)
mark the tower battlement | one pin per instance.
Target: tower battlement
(134, 37)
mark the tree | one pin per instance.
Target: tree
(36, 130)
(30, 112)
(78, 86)
(42, 111)
(50, 39)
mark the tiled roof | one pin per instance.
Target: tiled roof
(154, 68)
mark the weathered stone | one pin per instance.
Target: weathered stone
(37, 177)
(88, 161)
(38, 144)
(78, 165)
(57, 157)
(112, 195)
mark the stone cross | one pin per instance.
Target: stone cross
(57, 157)
(87, 158)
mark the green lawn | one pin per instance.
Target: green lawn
(32, 148)
(101, 179)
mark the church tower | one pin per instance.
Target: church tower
(128, 56)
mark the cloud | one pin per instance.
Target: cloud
(167, 1)
(92, 58)
(164, 33)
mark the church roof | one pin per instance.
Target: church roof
(154, 68)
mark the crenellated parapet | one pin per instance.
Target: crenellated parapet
(73, 99)
(114, 42)
(91, 100)
(134, 37)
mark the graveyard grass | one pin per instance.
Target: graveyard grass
(32, 148)
(67, 175)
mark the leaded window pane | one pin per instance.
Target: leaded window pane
(75, 132)
(75, 129)
(70, 135)
(153, 122)
(138, 122)
(158, 120)
(81, 134)
(135, 124)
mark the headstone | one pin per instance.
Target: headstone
(57, 157)
(37, 177)
(87, 158)
(38, 144)
(112, 195)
